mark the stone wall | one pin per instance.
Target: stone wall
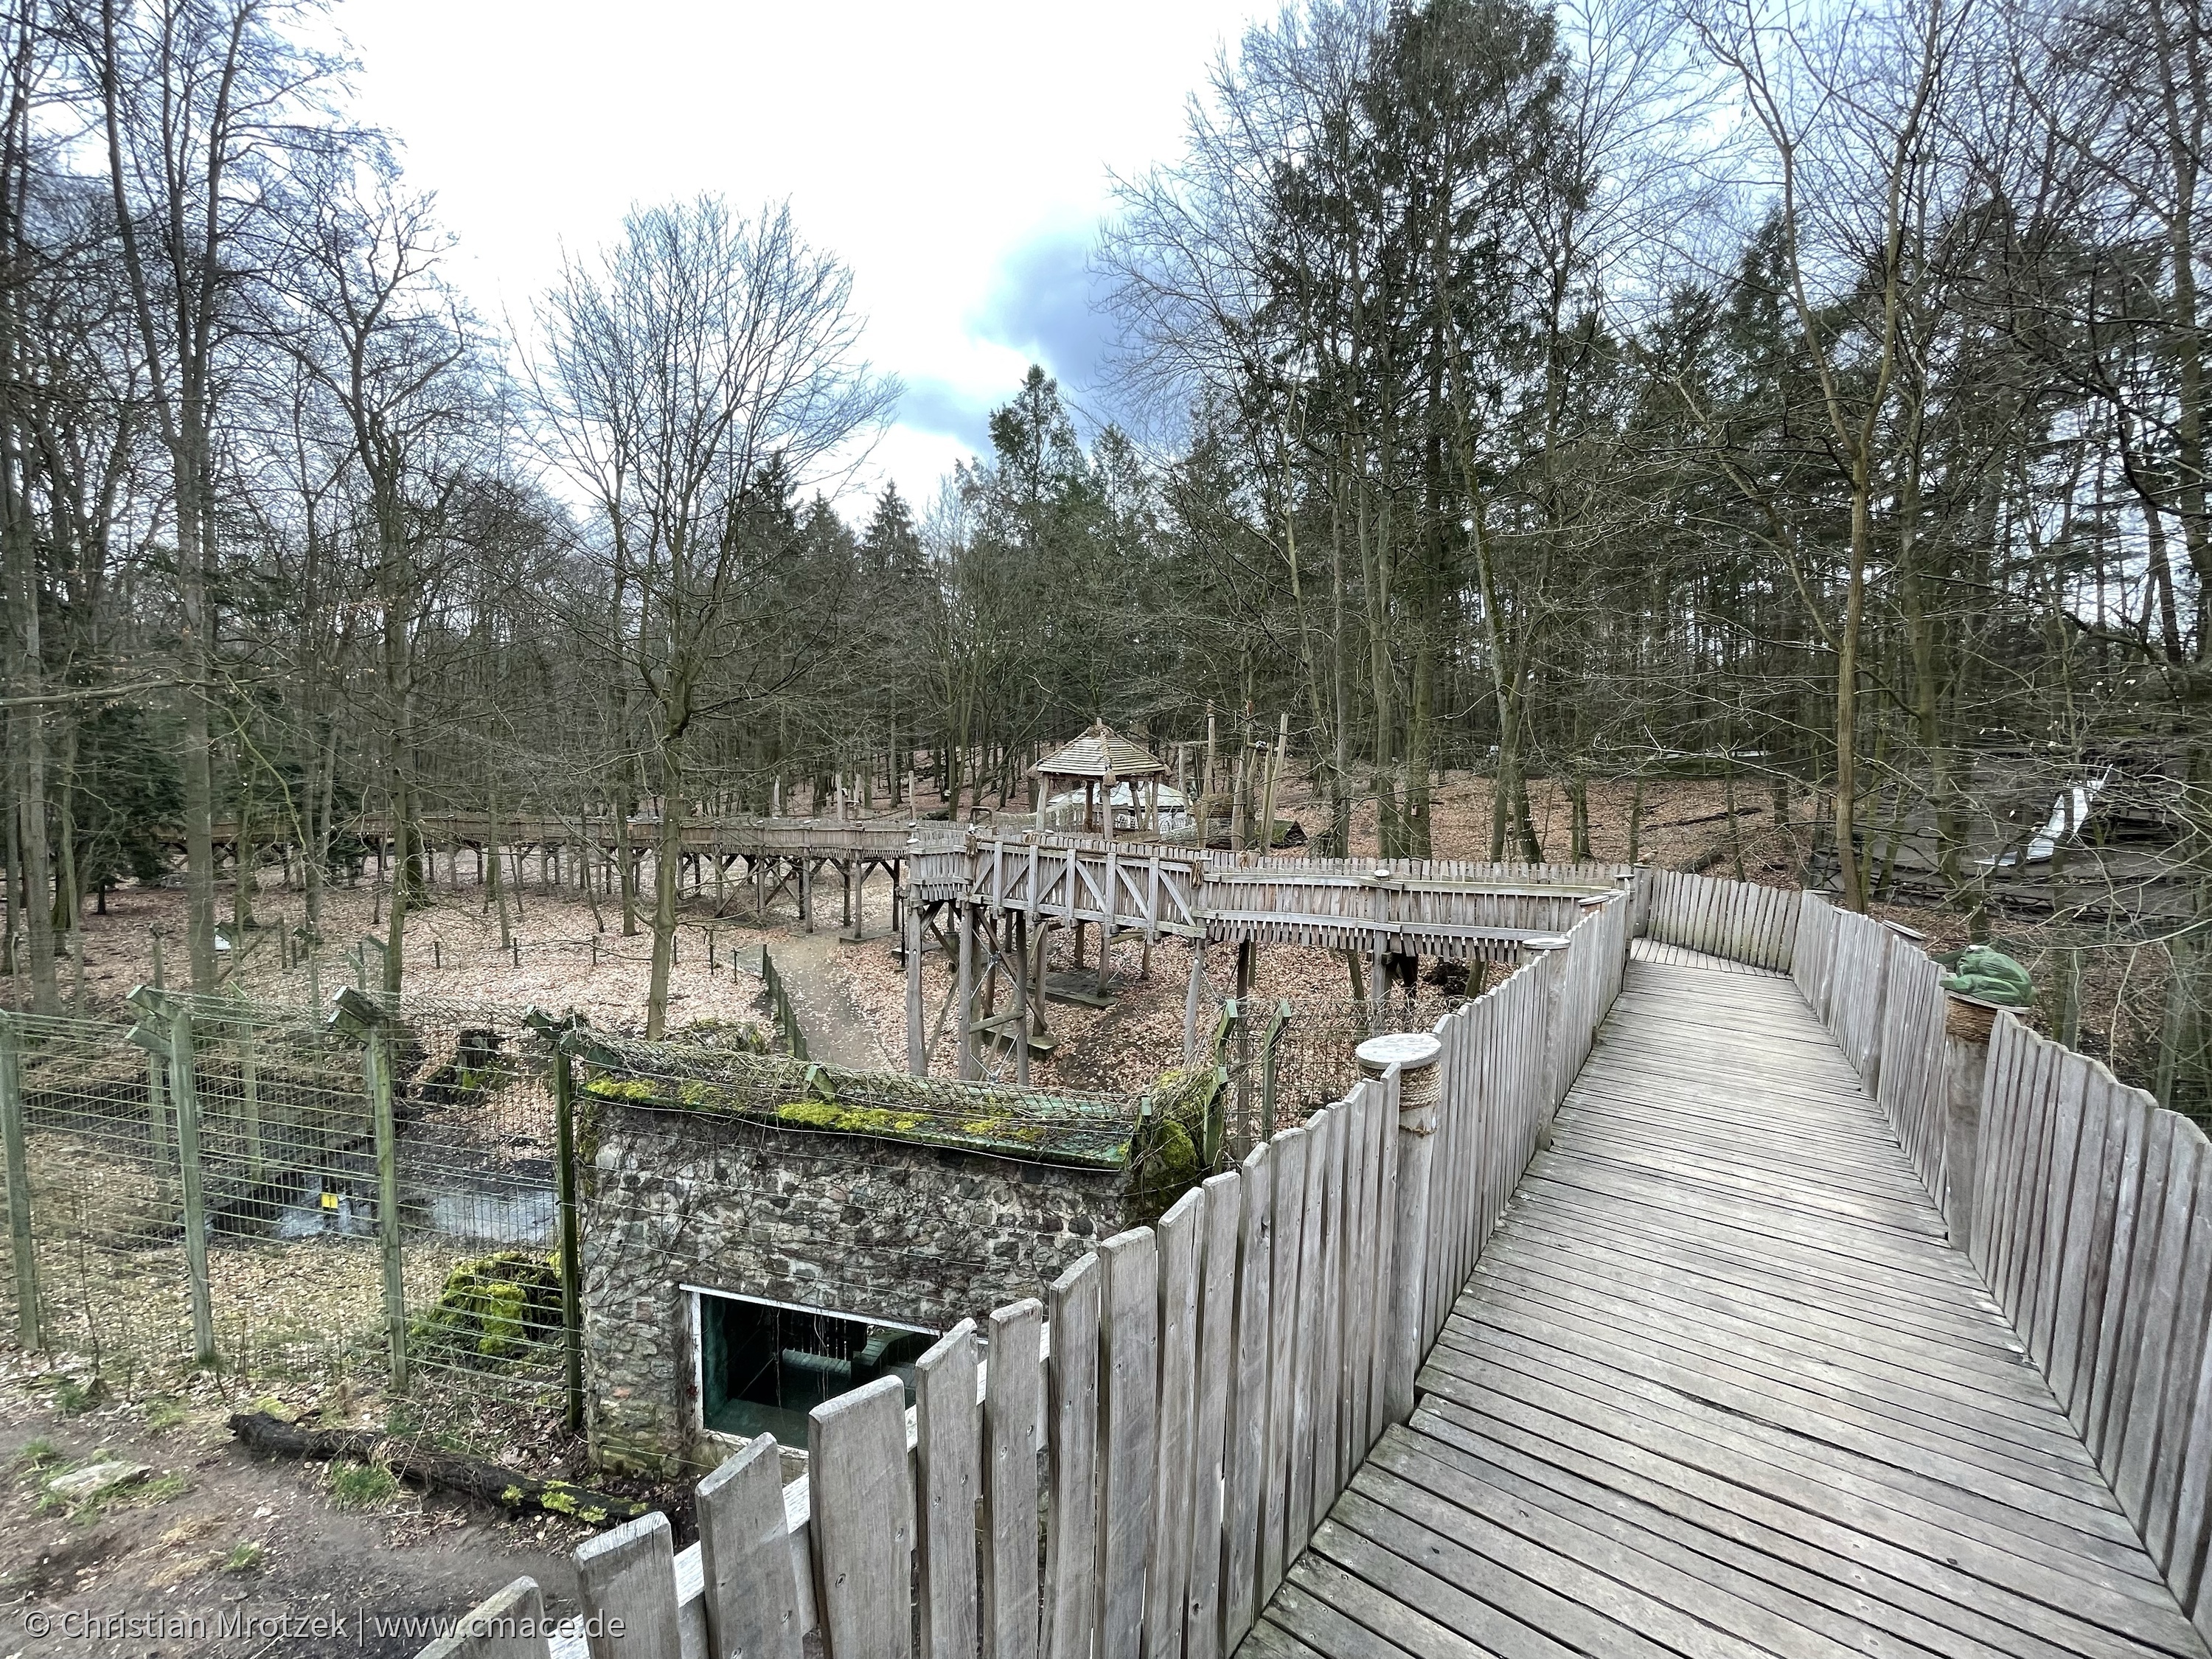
(854, 1225)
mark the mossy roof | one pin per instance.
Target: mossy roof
(788, 1094)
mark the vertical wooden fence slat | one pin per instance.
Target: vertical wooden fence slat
(2031, 1153)
(1013, 1402)
(2162, 1309)
(1303, 1513)
(1359, 1322)
(1168, 1570)
(861, 1517)
(752, 1600)
(1128, 1408)
(2084, 1244)
(1245, 1451)
(509, 1624)
(2142, 1272)
(1071, 1572)
(948, 1474)
(1287, 1196)
(626, 1583)
(1329, 1377)
(2056, 1203)
(2089, 1239)
(2177, 1422)
(2192, 1522)
(2000, 1131)
(1223, 1220)
(2112, 1321)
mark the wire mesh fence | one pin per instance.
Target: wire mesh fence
(251, 1189)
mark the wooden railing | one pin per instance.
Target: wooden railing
(1509, 1059)
(1200, 1392)
(2086, 1207)
(1459, 910)
(1739, 919)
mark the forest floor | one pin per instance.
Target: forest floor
(565, 952)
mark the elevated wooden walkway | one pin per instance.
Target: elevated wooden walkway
(1718, 1387)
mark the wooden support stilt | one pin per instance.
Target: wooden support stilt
(1245, 952)
(917, 1051)
(1019, 925)
(964, 993)
(1190, 1002)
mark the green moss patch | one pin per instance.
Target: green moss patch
(490, 1313)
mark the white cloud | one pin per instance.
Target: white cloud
(929, 146)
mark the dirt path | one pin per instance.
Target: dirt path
(817, 969)
(210, 1551)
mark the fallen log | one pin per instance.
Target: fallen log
(1744, 812)
(268, 1435)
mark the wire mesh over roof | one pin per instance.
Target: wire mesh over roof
(1101, 752)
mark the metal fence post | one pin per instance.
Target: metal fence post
(377, 1064)
(20, 1245)
(572, 1268)
(184, 1095)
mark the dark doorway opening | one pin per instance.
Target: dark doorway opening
(762, 1367)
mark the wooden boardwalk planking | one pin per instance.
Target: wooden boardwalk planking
(1719, 1388)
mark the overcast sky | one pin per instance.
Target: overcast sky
(955, 155)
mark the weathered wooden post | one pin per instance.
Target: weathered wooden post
(1967, 1022)
(506, 1625)
(379, 1068)
(1245, 1126)
(964, 994)
(356, 1014)
(1404, 1067)
(184, 1092)
(1376, 980)
(1269, 1044)
(572, 1266)
(157, 1119)
(917, 1048)
(20, 1247)
(1190, 1001)
(1550, 953)
(1018, 924)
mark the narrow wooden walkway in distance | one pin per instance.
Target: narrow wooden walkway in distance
(1718, 1388)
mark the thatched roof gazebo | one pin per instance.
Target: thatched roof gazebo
(1100, 760)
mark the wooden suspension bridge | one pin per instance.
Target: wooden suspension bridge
(1722, 1289)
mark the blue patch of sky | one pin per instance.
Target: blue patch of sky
(1044, 303)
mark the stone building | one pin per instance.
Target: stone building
(739, 1267)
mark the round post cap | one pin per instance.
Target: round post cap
(1411, 1051)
